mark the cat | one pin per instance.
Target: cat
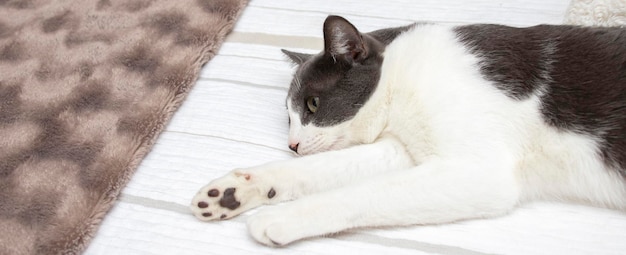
(431, 124)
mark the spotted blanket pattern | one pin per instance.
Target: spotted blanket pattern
(86, 86)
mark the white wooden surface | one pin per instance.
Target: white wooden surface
(235, 116)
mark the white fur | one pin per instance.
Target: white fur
(435, 143)
(314, 139)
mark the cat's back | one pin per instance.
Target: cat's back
(523, 60)
(578, 73)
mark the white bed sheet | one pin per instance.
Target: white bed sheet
(235, 116)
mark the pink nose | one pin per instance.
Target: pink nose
(294, 147)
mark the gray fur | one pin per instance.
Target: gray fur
(342, 82)
(580, 73)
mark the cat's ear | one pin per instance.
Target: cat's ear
(297, 58)
(342, 40)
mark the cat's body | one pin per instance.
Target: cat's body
(430, 124)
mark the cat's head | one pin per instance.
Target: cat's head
(330, 88)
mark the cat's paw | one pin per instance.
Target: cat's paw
(275, 227)
(229, 196)
(297, 220)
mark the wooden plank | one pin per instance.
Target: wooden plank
(233, 111)
(188, 162)
(266, 72)
(520, 12)
(258, 51)
(309, 24)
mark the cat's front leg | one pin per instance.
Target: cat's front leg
(431, 193)
(244, 189)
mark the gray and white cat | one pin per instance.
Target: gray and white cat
(429, 124)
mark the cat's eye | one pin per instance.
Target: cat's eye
(312, 103)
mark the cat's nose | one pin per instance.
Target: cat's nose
(294, 147)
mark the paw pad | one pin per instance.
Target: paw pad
(212, 204)
(228, 199)
(271, 193)
(213, 193)
(229, 196)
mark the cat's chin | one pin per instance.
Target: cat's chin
(337, 144)
(312, 152)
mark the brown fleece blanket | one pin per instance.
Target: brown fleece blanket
(86, 86)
